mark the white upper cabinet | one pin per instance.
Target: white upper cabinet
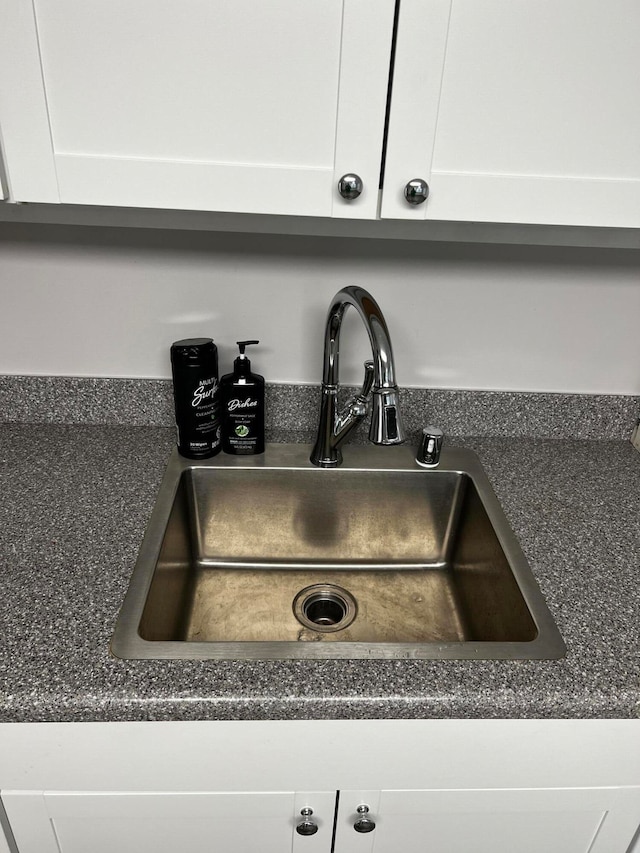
(510, 111)
(515, 111)
(244, 106)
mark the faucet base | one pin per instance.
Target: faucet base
(323, 462)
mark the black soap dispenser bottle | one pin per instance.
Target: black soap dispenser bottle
(242, 407)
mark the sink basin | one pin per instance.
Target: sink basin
(269, 557)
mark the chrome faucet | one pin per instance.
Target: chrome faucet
(379, 382)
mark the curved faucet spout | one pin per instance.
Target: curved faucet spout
(334, 427)
(376, 327)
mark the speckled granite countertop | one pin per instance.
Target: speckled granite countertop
(74, 502)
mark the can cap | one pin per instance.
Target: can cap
(192, 350)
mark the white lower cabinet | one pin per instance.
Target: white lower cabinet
(418, 786)
(485, 821)
(492, 821)
(74, 822)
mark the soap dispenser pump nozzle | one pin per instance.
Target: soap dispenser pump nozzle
(243, 344)
(242, 365)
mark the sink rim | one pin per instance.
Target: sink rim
(126, 642)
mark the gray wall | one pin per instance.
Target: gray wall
(87, 301)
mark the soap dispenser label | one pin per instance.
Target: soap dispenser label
(241, 404)
(245, 426)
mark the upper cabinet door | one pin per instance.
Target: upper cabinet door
(515, 111)
(252, 106)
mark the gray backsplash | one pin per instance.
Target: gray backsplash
(293, 408)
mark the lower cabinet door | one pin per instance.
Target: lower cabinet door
(590, 820)
(47, 822)
(595, 820)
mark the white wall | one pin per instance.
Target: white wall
(108, 302)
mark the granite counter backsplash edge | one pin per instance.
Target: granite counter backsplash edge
(149, 402)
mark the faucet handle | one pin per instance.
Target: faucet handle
(367, 384)
(357, 407)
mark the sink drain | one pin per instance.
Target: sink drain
(325, 607)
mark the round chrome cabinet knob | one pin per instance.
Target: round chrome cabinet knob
(416, 191)
(307, 826)
(350, 186)
(364, 824)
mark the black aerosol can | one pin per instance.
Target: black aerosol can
(194, 364)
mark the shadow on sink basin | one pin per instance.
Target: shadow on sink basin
(269, 557)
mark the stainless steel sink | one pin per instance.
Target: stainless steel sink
(269, 557)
